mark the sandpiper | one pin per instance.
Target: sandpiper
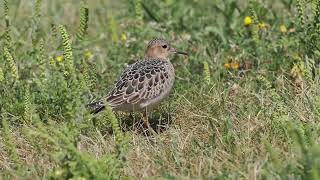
(143, 84)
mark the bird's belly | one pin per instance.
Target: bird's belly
(128, 107)
(156, 100)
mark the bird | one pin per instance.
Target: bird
(143, 84)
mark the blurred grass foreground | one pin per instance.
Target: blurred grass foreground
(245, 104)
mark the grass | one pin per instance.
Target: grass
(245, 105)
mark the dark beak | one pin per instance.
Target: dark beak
(178, 52)
(184, 53)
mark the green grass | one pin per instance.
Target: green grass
(245, 105)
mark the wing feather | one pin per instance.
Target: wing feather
(142, 81)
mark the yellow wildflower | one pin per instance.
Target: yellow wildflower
(262, 25)
(247, 21)
(123, 37)
(88, 54)
(283, 28)
(59, 58)
(234, 65)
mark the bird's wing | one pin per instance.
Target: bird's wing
(141, 81)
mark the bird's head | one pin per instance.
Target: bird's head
(160, 48)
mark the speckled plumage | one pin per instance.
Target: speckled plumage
(143, 84)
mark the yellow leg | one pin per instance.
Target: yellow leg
(146, 122)
(145, 119)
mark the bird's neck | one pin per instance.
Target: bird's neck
(146, 57)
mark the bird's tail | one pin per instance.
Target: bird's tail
(95, 107)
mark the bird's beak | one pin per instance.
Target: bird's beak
(184, 53)
(173, 50)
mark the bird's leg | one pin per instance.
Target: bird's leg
(145, 119)
(146, 122)
(132, 119)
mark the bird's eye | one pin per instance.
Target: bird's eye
(164, 46)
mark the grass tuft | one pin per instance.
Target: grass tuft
(300, 8)
(7, 33)
(67, 51)
(113, 28)
(9, 142)
(206, 72)
(37, 8)
(84, 18)
(139, 11)
(12, 65)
